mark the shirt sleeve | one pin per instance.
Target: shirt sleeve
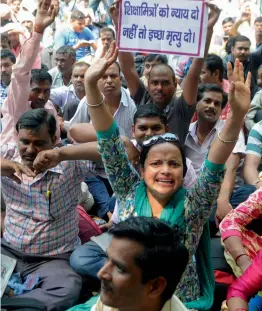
(16, 102)
(240, 146)
(255, 105)
(199, 201)
(121, 174)
(142, 96)
(81, 115)
(56, 96)
(235, 221)
(249, 283)
(89, 35)
(254, 143)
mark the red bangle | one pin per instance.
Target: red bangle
(239, 257)
(38, 29)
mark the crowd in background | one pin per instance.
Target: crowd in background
(96, 140)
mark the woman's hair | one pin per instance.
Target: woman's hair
(146, 149)
(163, 254)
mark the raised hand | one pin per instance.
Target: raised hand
(97, 69)
(239, 92)
(14, 170)
(213, 15)
(46, 13)
(114, 13)
(46, 159)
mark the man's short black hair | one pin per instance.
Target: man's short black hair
(258, 19)
(39, 75)
(213, 62)
(209, 87)
(34, 119)
(164, 254)
(227, 20)
(150, 111)
(77, 15)
(108, 29)
(5, 53)
(239, 39)
(156, 57)
(67, 50)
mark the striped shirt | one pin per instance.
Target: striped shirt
(36, 223)
(254, 143)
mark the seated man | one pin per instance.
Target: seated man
(27, 91)
(253, 160)
(134, 276)
(77, 35)
(118, 100)
(41, 223)
(62, 73)
(211, 101)
(68, 97)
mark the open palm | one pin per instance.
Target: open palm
(46, 13)
(98, 69)
(239, 93)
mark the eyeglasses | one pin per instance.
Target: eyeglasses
(167, 137)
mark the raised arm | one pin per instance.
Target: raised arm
(126, 59)
(18, 91)
(120, 172)
(190, 84)
(239, 100)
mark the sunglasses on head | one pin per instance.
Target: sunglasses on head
(169, 137)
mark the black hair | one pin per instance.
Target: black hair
(108, 29)
(77, 15)
(66, 50)
(239, 39)
(229, 45)
(150, 111)
(146, 149)
(258, 19)
(5, 53)
(227, 20)
(156, 57)
(163, 256)
(209, 87)
(39, 75)
(213, 62)
(34, 119)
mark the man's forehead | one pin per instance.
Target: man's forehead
(80, 69)
(106, 34)
(212, 95)
(149, 121)
(161, 70)
(41, 84)
(242, 43)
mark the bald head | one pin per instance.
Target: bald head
(162, 84)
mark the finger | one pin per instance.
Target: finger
(26, 171)
(236, 68)
(248, 80)
(241, 72)
(104, 51)
(229, 71)
(114, 56)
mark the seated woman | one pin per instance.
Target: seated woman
(247, 286)
(241, 243)
(160, 193)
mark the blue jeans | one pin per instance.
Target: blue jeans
(238, 196)
(88, 259)
(93, 4)
(98, 189)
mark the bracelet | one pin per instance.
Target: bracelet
(99, 104)
(226, 141)
(239, 257)
(38, 30)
